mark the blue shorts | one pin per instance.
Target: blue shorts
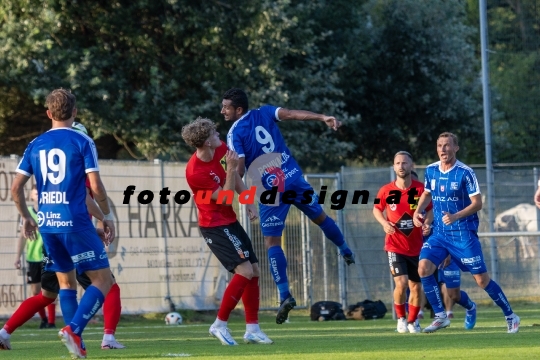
(81, 250)
(463, 246)
(273, 217)
(450, 275)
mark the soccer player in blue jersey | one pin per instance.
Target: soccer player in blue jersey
(255, 133)
(453, 189)
(60, 160)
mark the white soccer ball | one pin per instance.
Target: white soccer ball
(173, 318)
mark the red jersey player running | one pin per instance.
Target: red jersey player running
(205, 174)
(403, 240)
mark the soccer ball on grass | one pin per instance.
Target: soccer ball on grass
(173, 318)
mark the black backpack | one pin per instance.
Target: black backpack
(370, 309)
(327, 310)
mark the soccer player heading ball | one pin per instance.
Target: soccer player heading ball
(254, 134)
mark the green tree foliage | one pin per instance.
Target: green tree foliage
(142, 69)
(396, 72)
(420, 79)
(514, 44)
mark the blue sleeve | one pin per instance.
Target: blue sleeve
(471, 183)
(270, 112)
(427, 181)
(25, 165)
(234, 140)
(90, 156)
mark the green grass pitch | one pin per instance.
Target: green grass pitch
(149, 338)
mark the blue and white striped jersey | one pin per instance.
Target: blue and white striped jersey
(450, 192)
(60, 160)
(256, 134)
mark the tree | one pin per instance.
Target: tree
(142, 69)
(421, 79)
(514, 44)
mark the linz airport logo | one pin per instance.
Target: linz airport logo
(266, 181)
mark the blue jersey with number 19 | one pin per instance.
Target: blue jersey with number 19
(450, 192)
(60, 159)
(256, 134)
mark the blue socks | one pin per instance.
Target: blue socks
(497, 295)
(433, 294)
(332, 232)
(465, 301)
(278, 269)
(68, 304)
(91, 302)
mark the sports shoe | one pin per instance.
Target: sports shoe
(420, 315)
(257, 338)
(51, 326)
(223, 335)
(402, 325)
(438, 323)
(470, 318)
(450, 315)
(414, 328)
(283, 313)
(109, 345)
(73, 343)
(43, 324)
(349, 259)
(5, 344)
(513, 323)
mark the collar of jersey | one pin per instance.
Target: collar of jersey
(243, 116)
(447, 171)
(62, 128)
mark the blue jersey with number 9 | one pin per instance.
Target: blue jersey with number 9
(60, 160)
(256, 134)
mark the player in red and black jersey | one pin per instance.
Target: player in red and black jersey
(403, 240)
(210, 173)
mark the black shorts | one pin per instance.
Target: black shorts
(404, 265)
(33, 275)
(230, 244)
(49, 281)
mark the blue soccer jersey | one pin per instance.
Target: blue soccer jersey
(256, 134)
(450, 192)
(59, 159)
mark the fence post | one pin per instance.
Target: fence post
(394, 316)
(358, 266)
(535, 186)
(325, 259)
(341, 263)
(172, 307)
(307, 251)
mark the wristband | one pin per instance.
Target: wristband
(538, 183)
(108, 217)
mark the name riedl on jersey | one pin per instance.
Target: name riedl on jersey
(53, 197)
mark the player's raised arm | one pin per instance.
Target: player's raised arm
(286, 114)
(231, 158)
(240, 187)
